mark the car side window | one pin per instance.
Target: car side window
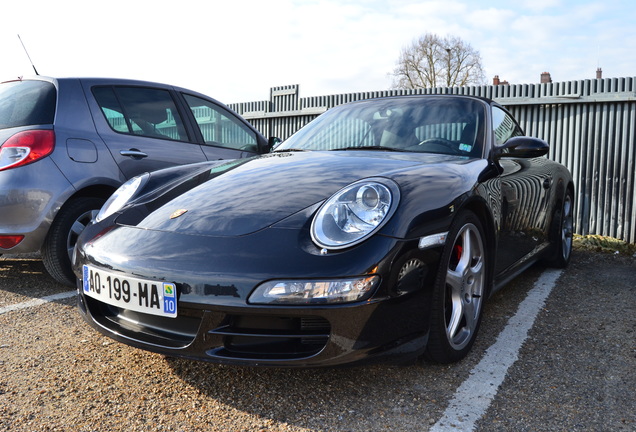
(219, 127)
(504, 126)
(141, 111)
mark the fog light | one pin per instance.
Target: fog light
(300, 292)
(9, 241)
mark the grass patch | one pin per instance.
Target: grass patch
(599, 243)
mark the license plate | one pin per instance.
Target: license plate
(140, 295)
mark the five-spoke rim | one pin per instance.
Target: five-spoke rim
(464, 288)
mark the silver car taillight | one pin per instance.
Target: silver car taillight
(26, 147)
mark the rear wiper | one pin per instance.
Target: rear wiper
(371, 148)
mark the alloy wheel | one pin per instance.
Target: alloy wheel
(465, 283)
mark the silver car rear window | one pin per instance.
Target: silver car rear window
(27, 103)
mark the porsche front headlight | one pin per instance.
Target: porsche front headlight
(121, 196)
(354, 213)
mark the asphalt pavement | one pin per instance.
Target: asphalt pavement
(574, 369)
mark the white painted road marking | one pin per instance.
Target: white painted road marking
(37, 302)
(474, 396)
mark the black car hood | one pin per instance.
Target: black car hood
(244, 196)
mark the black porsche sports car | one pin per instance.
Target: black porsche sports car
(376, 231)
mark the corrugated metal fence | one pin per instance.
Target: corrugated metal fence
(590, 125)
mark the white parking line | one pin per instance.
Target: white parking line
(37, 302)
(474, 396)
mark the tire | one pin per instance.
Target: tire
(62, 237)
(461, 287)
(562, 234)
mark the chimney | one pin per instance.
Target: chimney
(546, 78)
(495, 80)
(599, 73)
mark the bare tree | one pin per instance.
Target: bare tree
(432, 61)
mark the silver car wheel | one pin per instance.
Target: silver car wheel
(64, 232)
(76, 229)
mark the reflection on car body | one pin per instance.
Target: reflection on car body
(375, 232)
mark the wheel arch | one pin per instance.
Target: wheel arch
(71, 217)
(94, 191)
(479, 207)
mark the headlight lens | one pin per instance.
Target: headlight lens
(354, 213)
(302, 292)
(121, 196)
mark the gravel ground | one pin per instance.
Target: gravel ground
(575, 372)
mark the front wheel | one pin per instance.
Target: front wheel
(460, 289)
(62, 237)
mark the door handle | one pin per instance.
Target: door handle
(134, 153)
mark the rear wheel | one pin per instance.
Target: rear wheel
(62, 237)
(563, 234)
(459, 292)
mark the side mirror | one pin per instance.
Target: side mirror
(272, 143)
(522, 147)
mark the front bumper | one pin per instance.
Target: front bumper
(211, 326)
(393, 330)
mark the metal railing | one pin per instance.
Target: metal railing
(590, 125)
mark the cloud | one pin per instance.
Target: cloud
(236, 51)
(537, 6)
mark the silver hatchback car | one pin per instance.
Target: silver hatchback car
(66, 144)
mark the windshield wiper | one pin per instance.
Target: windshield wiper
(371, 148)
(289, 150)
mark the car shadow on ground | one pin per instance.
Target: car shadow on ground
(26, 276)
(324, 398)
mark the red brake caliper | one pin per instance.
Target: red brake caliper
(458, 250)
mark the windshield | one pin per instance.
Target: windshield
(444, 124)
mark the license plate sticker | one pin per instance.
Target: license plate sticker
(140, 295)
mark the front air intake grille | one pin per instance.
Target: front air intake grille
(157, 330)
(271, 338)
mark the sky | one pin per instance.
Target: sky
(235, 51)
